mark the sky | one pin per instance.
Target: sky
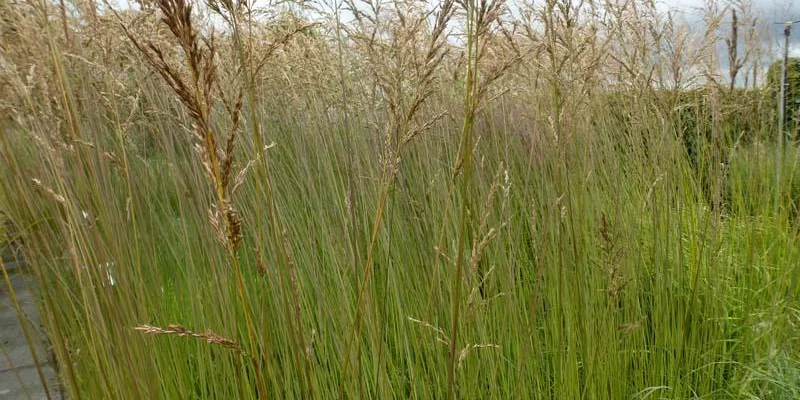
(776, 12)
(773, 12)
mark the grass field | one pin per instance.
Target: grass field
(471, 199)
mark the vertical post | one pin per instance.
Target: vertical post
(787, 31)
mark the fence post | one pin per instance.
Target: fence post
(787, 31)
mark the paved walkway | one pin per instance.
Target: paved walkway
(19, 378)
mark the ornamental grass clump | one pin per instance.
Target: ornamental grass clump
(383, 199)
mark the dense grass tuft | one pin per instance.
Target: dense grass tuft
(400, 200)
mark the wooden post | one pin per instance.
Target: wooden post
(787, 31)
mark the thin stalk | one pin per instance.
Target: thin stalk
(465, 159)
(351, 182)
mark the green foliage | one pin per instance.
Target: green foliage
(614, 289)
(753, 171)
(3, 230)
(792, 89)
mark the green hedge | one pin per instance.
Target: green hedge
(792, 91)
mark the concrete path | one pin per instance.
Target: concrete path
(19, 378)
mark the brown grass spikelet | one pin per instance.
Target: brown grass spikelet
(227, 225)
(217, 225)
(469, 347)
(234, 112)
(441, 336)
(182, 331)
(262, 267)
(195, 89)
(57, 197)
(629, 328)
(234, 226)
(611, 254)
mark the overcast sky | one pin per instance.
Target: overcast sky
(767, 10)
(771, 12)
